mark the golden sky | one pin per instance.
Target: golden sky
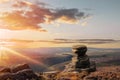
(45, 19)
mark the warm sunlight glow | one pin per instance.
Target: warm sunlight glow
(3, 33)
(1, 1)
(3, 43)
(28, 3)
(18, 54)
(1, 48)
(25, 57)
(65, 19)
(3, 56)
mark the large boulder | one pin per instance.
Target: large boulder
(5, 70)
(26, 74)
(19, 72)
(20, 67)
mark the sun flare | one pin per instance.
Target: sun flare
(21, 55)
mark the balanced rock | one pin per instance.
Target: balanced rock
(82, 59)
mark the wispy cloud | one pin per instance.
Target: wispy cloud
(26, 15)
(87, 41)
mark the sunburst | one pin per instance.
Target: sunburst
(4, 50)
(11, 51)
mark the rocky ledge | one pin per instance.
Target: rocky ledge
(18, 72)
(24, 72)
(103, 73)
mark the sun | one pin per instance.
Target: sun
(4, 34)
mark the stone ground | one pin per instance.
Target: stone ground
(103, 73)
(24, 72)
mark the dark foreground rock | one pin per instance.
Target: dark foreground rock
(19, 68)
(19, 72)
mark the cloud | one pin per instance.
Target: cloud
(26, 15)
(87, 41)
(67, 15)
(84, 23)
(2, 1)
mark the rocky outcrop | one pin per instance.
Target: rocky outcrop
(19, 72)
(103, 73)
(80, 61)
(5, 70)
(19, 68)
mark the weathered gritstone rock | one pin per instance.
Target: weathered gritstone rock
(25, 74)
(19, 72)
(51, 75)
(5, 70)
(83, 62)
(80, 60)
(5, 76)
(19, 67)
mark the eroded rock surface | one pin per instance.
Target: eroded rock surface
(19, 72)
(80, 60)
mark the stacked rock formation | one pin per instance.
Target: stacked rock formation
(80, 60)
